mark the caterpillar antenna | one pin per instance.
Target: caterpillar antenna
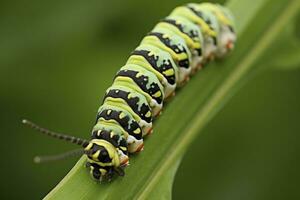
(57, 157)
(61, 136)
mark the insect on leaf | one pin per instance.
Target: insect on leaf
(152, 171)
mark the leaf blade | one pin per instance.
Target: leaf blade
(212, 89)
(286, 51)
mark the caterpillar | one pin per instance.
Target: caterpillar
(176, 48)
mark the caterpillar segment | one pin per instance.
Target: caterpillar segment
(133, 102)
(158, 62)
(176, 47)
(115, 139)
(121, 119)
(125, 81)
(226, 36)
(188, 31)
(210, 36)
(112, 127)
(167, 41)
(211, 20)
(133, 145)
(144, 82)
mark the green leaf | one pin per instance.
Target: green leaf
(163, 189)
(285, 53)
(150, 174)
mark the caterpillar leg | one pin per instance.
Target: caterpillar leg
(211, 57)
(185, 81)
(150, 131)
(158, 114)
(197, 67)
(230, 45)
(168, 98)
(124, 159)
(120, 171)
(134, 145)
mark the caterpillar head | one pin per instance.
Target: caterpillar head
(104, 159)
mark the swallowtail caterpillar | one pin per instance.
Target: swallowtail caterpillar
(177, 47)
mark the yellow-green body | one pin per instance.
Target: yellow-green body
(165, 59)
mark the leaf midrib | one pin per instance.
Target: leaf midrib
(202, 115)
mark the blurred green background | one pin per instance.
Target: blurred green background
(58, 57)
